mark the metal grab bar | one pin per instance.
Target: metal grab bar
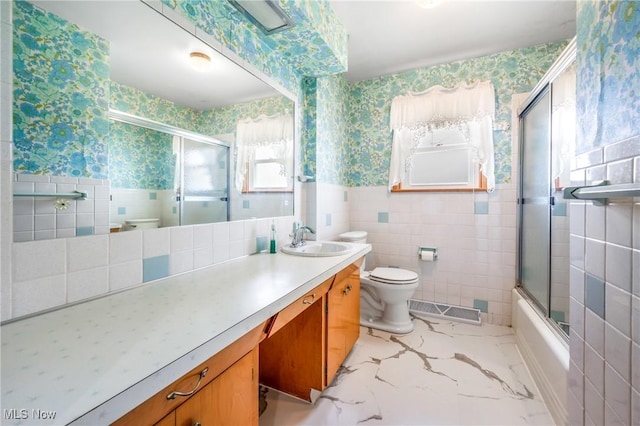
(601, 192)
(77, 195)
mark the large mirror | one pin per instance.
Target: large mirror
(150, 124)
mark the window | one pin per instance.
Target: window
(443, 140)
(264, 159)
(267, 173)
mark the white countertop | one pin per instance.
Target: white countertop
(92, 363)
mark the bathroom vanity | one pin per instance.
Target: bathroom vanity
(213, 334)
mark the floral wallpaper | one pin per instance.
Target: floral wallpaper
(332, 154)
(608, 108)
(224, 119)
(316, 45)
(140, 158)
(61, 95)
(133, 101)
(369, 104)
(308, 145)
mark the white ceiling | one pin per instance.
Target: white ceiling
(150, 53)
(387, 37)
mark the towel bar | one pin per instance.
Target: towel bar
(77, 195)
(602, 192)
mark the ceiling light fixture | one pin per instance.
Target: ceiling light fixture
(200, 61)
(265, 14)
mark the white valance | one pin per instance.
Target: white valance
(468, 108)
(438, 105)
(273, 133)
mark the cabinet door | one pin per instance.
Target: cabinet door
(343, 319)
(168, 420)
(292, 360)
(230, 399)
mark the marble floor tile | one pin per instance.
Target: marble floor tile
(442, 373)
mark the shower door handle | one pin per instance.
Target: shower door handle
(537, 200)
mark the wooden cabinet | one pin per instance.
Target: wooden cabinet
(297, 350)
(230, 399)
(226, 394)
(343, 318)
(291, 358)
(306, 352)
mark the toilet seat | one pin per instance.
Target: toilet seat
(395, 276)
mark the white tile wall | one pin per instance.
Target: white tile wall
(611, 252)
(6, 178)
(477, 252)
(38, 219)
(51, 273)
(129, 204)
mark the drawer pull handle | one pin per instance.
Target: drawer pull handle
(306, 300)
(197, 424)
(173, 395)
(347, 290)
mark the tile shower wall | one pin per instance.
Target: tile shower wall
(605, 293)
(38, 219)
(474, 233)
(604, 374)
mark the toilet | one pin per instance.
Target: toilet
(384, 293)
(132, 224)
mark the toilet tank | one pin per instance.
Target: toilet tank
(354, 237)
(132, 224)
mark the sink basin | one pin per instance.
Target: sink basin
(318, 249)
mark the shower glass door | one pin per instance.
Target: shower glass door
(535, 208)
(205, 196)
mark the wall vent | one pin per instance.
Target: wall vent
(442, 310)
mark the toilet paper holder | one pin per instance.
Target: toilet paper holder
(428, 253)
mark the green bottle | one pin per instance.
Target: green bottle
(272, 242)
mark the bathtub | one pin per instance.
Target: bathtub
(545, 353)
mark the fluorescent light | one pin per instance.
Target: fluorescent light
(265, 14)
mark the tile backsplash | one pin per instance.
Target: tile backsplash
(54, 272)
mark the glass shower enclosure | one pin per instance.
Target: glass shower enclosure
(547, 139)
(205, 178)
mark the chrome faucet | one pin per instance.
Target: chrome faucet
(298, 234)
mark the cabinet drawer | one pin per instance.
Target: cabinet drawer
(297, 307)
(350, 270)
(158, 406)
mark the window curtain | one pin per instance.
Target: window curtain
(467, 108)
(274, 133)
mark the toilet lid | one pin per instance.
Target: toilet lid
(393, 275)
